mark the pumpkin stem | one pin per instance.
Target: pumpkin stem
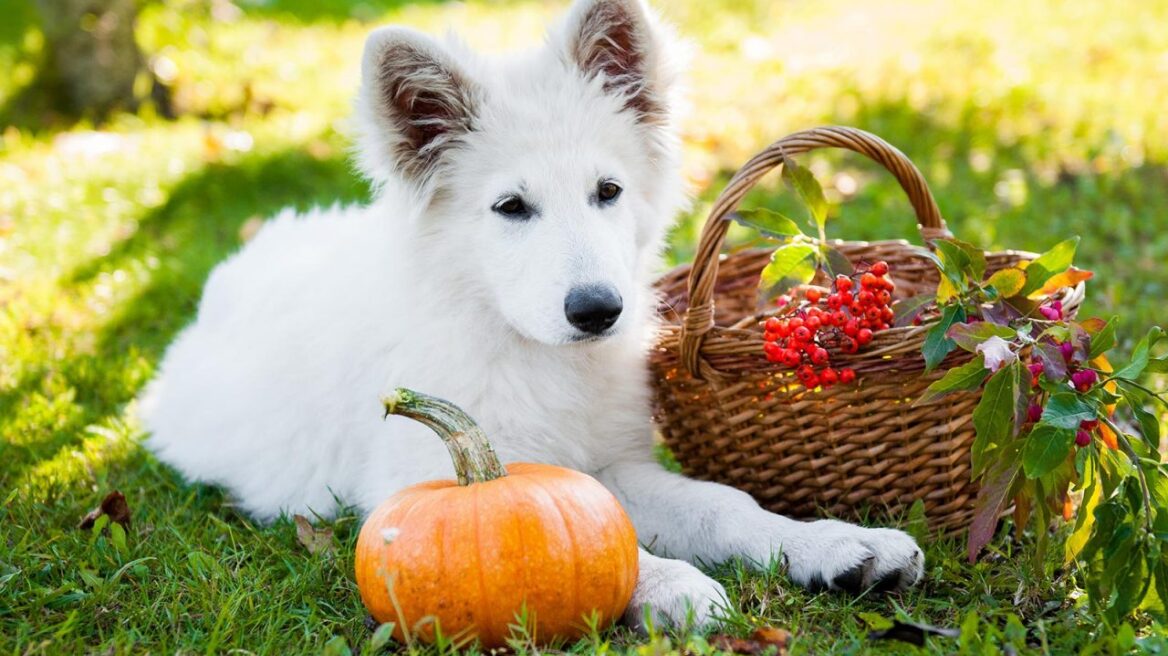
(474, 458)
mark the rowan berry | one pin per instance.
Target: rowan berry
(847, 376)
(850, 345)
(884, 297)
(879, 268)
(828, 377)
(868, 280)
(813, 322)
(843, 283)
(791, 358)
(864, 336)
(772, 324)
(802, 333)
(819, 356)
(774, 352)
(813, 295)
(834, 301)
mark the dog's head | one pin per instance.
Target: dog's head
(550, 177)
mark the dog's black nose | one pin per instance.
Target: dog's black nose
(593, 308)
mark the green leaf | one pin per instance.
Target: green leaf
(1050, 263)
(836, 262)
(955, 267)
(1008, 282)
(1141, 355)
(968, 376)
(382, 636)
(1046, 448)
(767, 222)
(993, 418)
(1102, 340)
(969, 335)
(1148, 422)
(790, 265)
(975, 256)
(808, 189)
(1067, 410)
(918, 521)
(937, 345)
(337, 646)
(118, 537)
(1085, 520)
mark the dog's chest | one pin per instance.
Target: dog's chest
(560, 414)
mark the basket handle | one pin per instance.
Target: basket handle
(699, 316)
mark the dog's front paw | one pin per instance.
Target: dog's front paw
(834, 555)
(673, 593)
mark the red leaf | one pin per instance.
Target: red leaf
(995, 491)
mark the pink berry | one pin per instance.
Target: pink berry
(1068, 350)
(1084, 379)
(1034, 412)
(1082, 438)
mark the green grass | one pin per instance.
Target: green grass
(1033, 120)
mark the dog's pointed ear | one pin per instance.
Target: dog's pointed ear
(416, 102)
(622, 43)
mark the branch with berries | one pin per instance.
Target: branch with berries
(1056, 421)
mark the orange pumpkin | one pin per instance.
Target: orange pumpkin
(469, 555)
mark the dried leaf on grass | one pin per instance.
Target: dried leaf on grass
(760, 641)
(114, 504)
(316, 540)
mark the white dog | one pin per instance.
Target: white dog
(506, 265)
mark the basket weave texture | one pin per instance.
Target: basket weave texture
(729, 415)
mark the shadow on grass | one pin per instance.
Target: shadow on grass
(196, 228)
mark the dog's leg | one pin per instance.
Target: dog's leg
(710, 523)
(673, 593)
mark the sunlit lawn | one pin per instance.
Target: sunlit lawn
(1034, 120)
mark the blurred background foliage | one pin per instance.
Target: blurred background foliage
(1034, 120)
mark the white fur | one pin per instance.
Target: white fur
(273, 392)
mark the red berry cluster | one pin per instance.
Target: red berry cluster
(846, 319)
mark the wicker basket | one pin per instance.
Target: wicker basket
(730, 416)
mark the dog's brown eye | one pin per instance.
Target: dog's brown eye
(512, 206)
(607, 191)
